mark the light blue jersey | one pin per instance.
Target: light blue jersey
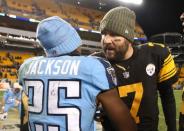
(62, 91)
(9, 98)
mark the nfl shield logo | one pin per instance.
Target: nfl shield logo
(126, 75)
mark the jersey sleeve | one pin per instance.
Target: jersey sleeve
(24, 67)
(167, 70)
(6, 95)
(104, 75)
(21, 71)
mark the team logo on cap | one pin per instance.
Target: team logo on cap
(150, 69)
(126, 31)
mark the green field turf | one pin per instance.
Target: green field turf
(162, 127)
(1, 93)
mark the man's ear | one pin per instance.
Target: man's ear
(182, 19)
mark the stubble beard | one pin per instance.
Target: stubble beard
(120, 53)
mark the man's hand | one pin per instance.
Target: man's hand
(17, 102)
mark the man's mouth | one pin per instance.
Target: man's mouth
(110, 49)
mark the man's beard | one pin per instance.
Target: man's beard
(120, 54)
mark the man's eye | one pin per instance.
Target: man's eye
(117, 40)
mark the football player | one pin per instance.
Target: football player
(181, 116)
(11, 99)
(63, 88)
(141, 71)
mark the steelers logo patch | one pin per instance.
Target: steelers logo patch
(150, 69)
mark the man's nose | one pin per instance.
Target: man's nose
(108, 39)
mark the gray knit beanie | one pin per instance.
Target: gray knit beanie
(121, 21)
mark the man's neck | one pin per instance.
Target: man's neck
(129, 53)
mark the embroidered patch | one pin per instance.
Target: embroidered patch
(112, 73)
(126, 75)
(150, 69)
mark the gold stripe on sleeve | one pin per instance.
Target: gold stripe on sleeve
(168, 70)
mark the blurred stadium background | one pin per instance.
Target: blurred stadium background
(19, 19)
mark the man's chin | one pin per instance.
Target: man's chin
(110, 57)
(113, 58)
